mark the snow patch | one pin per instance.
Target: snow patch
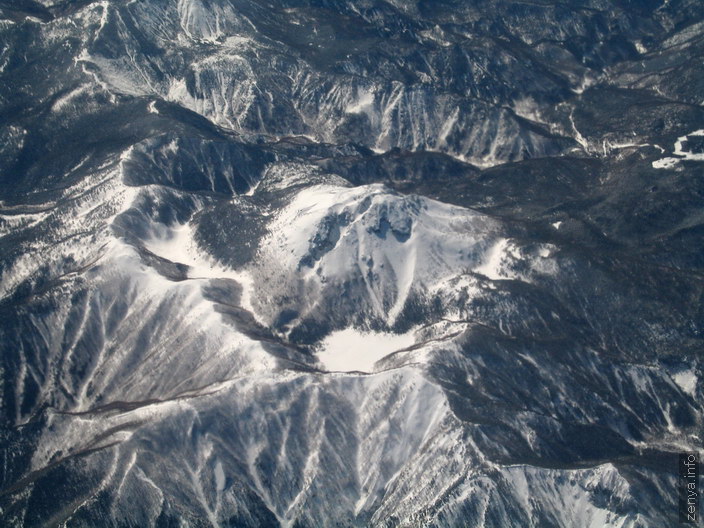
(364, 103)
(665, 163)
(352, 350)
(527, 108)
(584, 85)
(67, 99)
(492, 267)
(686, 380)
(219, 477)
(669, 162)
(679, 144)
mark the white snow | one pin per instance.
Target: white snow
(363, 104)
(585, 83)
(447, 127)
(394, 246)
(570, 496)
(66, 99)
(527, 108)
(219, 477)
(665, 163)
(557, 225)
(492, 266)
(687, 381)
(178, 245)
(352, 350)
(608, 146)
(669, 162)
(577, 134)
(688, 155)
(387, 240)
(686, 34)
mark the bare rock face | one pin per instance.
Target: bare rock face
(349, 262)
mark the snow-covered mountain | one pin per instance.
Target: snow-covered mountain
(349, 262)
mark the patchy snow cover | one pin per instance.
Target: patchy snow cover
(363, 105)
(351, 350)
(572, 495)
(491, 267)
(494, 265)
(394, 244)
(679, 144)
(670, 162)
(392, 248)
(177, 244)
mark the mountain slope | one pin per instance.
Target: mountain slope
(349, 263)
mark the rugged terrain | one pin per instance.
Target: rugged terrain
(350, 262)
